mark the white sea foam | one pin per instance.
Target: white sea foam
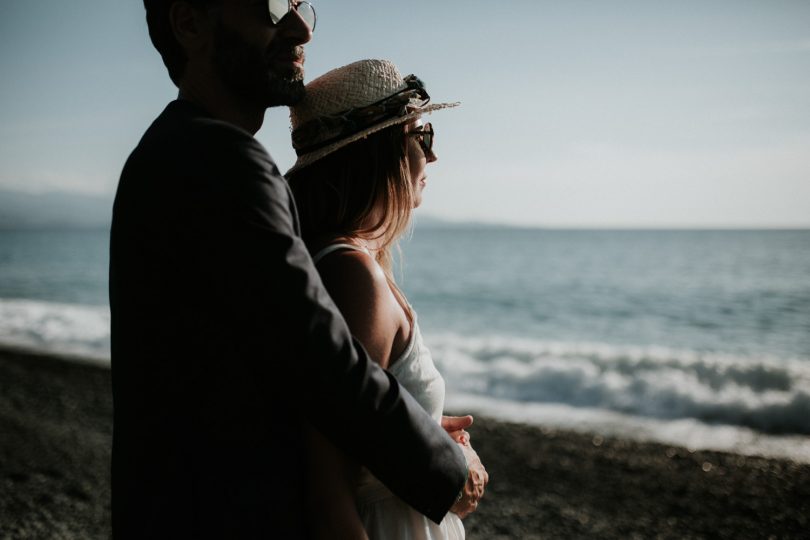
(685, 432)
(697, 399)
(766, 394)
(82, 331)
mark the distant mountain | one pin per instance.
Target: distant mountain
(59, 209)
(53, 210)
(434, 222)
(427, 220)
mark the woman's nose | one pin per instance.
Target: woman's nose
(431, 156)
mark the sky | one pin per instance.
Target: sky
(574, 113)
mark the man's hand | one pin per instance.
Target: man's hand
(477, 477)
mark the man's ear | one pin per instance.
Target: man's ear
(191, 27)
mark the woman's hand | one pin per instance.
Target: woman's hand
(455, 426)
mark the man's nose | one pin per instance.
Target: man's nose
(293, 27)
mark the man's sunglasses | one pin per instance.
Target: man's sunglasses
(425, 137)
(279, 9)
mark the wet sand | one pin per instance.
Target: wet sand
(55, 433)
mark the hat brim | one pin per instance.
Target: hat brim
(315, 155)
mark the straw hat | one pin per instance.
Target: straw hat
(351, 102)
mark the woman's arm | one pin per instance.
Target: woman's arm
(360, 290)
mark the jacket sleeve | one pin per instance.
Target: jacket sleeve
(305, 350)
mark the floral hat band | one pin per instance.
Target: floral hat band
(309, 137)
(350, 103)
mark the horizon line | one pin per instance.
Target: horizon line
(460, 225)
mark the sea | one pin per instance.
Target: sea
(699, 338)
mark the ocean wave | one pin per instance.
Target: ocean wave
(765, 393)
(60, 328)
(768, 394)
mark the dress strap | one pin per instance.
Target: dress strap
(331, 248)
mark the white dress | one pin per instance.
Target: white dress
(385, 516)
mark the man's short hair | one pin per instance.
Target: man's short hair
(160, 32)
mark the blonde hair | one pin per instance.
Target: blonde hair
(360, 190)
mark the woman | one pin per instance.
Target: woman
(363, 150)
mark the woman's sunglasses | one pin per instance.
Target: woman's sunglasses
(425, 137)
(279, 9)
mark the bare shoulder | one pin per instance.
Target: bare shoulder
(352, 270)
(360, 290)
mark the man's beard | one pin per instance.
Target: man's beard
(247, 70)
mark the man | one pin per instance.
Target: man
(223, 339)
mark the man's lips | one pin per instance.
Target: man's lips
(294, 56)
(295, 60)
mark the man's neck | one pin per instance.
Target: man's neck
(219, 103)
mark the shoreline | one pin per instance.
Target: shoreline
(546, 482)
(682, 432)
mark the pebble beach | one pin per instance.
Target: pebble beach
(56, 425)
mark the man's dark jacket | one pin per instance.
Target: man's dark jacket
(224, 342)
